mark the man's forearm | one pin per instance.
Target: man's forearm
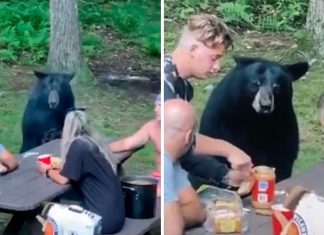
(209, 146)
(193, 214)
(173, 221)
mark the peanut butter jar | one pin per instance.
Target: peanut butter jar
(263, 190)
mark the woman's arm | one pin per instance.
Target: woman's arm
(54, 174)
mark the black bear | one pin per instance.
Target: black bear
(44, 115)
(252, 108)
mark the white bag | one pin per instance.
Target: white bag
(59, 219)
(309, 215)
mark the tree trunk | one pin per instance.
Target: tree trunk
(315, 25)
(64, 53)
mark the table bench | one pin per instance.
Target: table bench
(23, 191)
(141, 226)
(262, 225)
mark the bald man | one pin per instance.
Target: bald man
(182, 208)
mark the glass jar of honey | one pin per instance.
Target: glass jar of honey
(263, 190)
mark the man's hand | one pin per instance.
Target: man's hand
(234, 178)
(240, 160)
(216, 147)
(8, 161)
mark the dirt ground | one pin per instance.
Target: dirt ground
(124, 65)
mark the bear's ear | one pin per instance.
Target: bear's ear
(297, 70)
(242, 60)
(68, 76)
(40, 75)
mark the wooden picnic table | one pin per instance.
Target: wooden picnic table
(312, 178)
(23, 191)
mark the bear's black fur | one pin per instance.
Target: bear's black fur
(252, 108)
(47, 106)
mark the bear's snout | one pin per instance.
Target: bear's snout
(53, 99)
(266, 102)
(263, 101)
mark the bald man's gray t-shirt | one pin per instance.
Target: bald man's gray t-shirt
(1, 148)
(175, 179)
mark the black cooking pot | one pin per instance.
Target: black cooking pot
(139, 196)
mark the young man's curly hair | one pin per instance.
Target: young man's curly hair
(209, 30)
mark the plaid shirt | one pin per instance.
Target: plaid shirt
(174, 85)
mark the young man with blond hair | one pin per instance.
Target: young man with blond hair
(203, 42)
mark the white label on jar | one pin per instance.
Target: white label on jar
(262, 197)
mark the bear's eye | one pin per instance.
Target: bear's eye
(254, 86)
(276, 88)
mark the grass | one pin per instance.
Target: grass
(306, 92)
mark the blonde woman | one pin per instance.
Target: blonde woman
(88, 166)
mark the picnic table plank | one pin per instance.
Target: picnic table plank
(312, 179)
(25, 182)
(141, 226)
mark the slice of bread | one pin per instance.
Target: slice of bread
(245, 188)
(56, 162)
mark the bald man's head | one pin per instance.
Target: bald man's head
(180, 126)
(179, 114)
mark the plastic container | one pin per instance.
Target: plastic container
(224, 211)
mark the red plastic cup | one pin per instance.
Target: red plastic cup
(280, 218)
(45, 158)
(156, 175)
